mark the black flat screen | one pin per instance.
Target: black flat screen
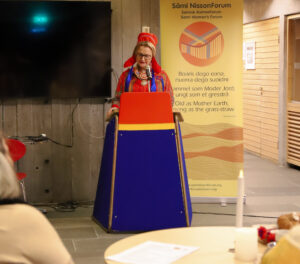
(55, 49)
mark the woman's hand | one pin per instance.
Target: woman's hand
(111, 111)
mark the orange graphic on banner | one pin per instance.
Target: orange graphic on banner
(201, 43)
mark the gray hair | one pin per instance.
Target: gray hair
(9, 186)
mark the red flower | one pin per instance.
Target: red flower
(265, 235)
(271, 237)
(262, 232)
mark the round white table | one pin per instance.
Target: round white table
(215, 244)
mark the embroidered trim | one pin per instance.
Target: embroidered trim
(140, 75)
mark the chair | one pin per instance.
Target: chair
(17, 150)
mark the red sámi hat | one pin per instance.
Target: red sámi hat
(152, 41)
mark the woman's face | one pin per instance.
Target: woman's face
(143, 57)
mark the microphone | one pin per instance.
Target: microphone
(148, 72)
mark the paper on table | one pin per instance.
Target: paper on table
(151, 252)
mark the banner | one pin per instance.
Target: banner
(201, 47)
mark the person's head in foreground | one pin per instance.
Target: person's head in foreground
(9, 186)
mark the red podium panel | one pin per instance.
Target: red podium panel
(145, 108)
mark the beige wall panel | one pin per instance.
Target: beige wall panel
(270, 111)
(247, 75)
(269, 156)
(250, 97)
(263, 98)
(251, 138)
(261, 33)
(270, 148)
(251, 103)
(266, 66)
(267, 49)
(264, 89)
(252, 120)
(262, 22)
(260, 82)
(252, 92)
(254, 110)
(264, 44)
(268, 104)
(252, 149)
(267, 55)
(270, 127)
(272, 116)
(268, 88)
(250, 117)
(260, 27)
(253, 133)
(253, 146)
(271, 122)
(262, 38)
(251, 141)
(273, 94)
(271, 141)
(254, 128)
(260, 88)
(263, 71)
(270, 99)
(267, 60)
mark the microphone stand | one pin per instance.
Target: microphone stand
(149, 76)
(149, 87)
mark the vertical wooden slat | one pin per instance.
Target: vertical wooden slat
(27, 164)
(41, 124)
(261, 90)
(293, 94)
(96, 145)
(88, 126)
(293, 134)
(131, 25)
(60, 163)
(81, 151)
(117, 58)
(9, 115)
(33, 118)
(155, 24)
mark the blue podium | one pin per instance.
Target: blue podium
(143, 182)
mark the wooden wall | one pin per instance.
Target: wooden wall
(58, 173)
(261, 90)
